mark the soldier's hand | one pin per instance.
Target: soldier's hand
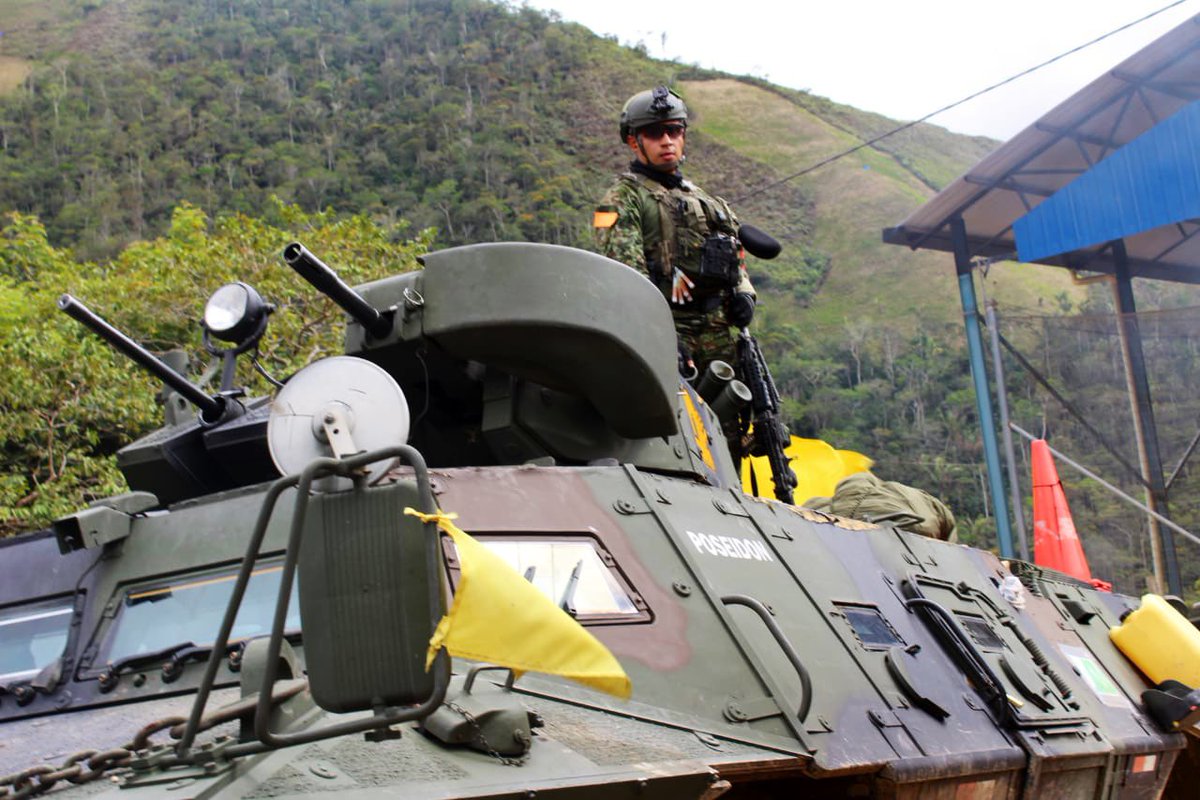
(741, 310)
(681, 286)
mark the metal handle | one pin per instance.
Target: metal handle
(303, 481)
(784, 644)
(347, 467)
(478, 668)
(983, 674)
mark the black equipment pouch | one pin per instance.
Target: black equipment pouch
(719, 259)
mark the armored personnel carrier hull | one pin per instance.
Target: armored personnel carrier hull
(252, 620)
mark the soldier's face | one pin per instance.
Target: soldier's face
(660, 145)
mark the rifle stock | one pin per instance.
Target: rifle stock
(770, 434)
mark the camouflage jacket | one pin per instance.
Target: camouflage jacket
(656, 230)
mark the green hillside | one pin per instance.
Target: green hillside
(855, 198)
(139, 138)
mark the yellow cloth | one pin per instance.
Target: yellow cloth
(499, 617)
(817, 465)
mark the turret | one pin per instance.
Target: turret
(508, 353)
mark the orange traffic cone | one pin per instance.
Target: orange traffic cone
(1055, 541)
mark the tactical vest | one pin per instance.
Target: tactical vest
(677, 227)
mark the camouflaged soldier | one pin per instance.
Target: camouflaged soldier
(681, 237)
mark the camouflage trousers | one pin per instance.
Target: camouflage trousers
(707, 337)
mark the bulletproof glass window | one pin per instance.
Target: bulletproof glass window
(870, 626)
(32, 635)
(981, 632)
(572, 573)
(156, 616)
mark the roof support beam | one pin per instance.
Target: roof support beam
(1184, 237)
(1057, 171)
(1077, 136)
(983, 395)
(938, 232)
(1184, 90)
(1011, 185)
(1162, 541)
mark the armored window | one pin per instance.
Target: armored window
(32, 635)
(579, 576)
(981, 632)
(870, 627)
(156, 616)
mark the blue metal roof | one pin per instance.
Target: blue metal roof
(1084, 131)
(1153, 180)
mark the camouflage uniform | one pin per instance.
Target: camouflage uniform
(656, 229)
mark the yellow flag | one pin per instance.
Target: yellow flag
(817, 465)
(499, 617)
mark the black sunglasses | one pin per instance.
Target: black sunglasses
(659, 129)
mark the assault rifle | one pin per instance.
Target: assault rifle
(770, 434)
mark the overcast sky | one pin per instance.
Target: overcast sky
(902, 59)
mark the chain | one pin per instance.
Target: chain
(491, 751)
(36, 780)
(39, 779)
(141, 739)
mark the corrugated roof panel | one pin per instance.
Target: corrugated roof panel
(1082, 131)
(1150, 182)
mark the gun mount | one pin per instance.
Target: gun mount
(326, 281)
(214, 409)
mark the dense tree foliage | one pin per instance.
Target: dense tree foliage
(489, 122)
(466, 115)
(908, 402)
(68, 401)
(486, 121)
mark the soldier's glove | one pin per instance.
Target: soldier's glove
(741, 310)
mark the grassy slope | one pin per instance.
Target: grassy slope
(12, 72)
(855, 198)
(749, 135)
(39, 32)
(26, 24)
(37, 29)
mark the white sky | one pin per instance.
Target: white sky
(901, 59)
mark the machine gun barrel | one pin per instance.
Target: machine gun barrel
(211, 408)
(326, 281)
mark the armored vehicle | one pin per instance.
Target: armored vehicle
(253, 619)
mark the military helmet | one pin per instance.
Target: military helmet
(659, 104)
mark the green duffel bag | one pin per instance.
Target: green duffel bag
(866, 497)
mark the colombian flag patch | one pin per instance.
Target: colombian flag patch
(605, 217)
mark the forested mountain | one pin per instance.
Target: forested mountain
(152, 148)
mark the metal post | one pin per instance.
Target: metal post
(1162, 542)
(1014, 487)
(983, 400)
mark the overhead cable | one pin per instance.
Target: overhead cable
(930, 115)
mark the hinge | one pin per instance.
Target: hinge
(732, 509)
(740, 710)
(626, 506)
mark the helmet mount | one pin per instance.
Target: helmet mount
(659, 104)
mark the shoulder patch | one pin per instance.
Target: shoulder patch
(604, 217)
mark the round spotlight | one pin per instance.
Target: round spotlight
(234, 312)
